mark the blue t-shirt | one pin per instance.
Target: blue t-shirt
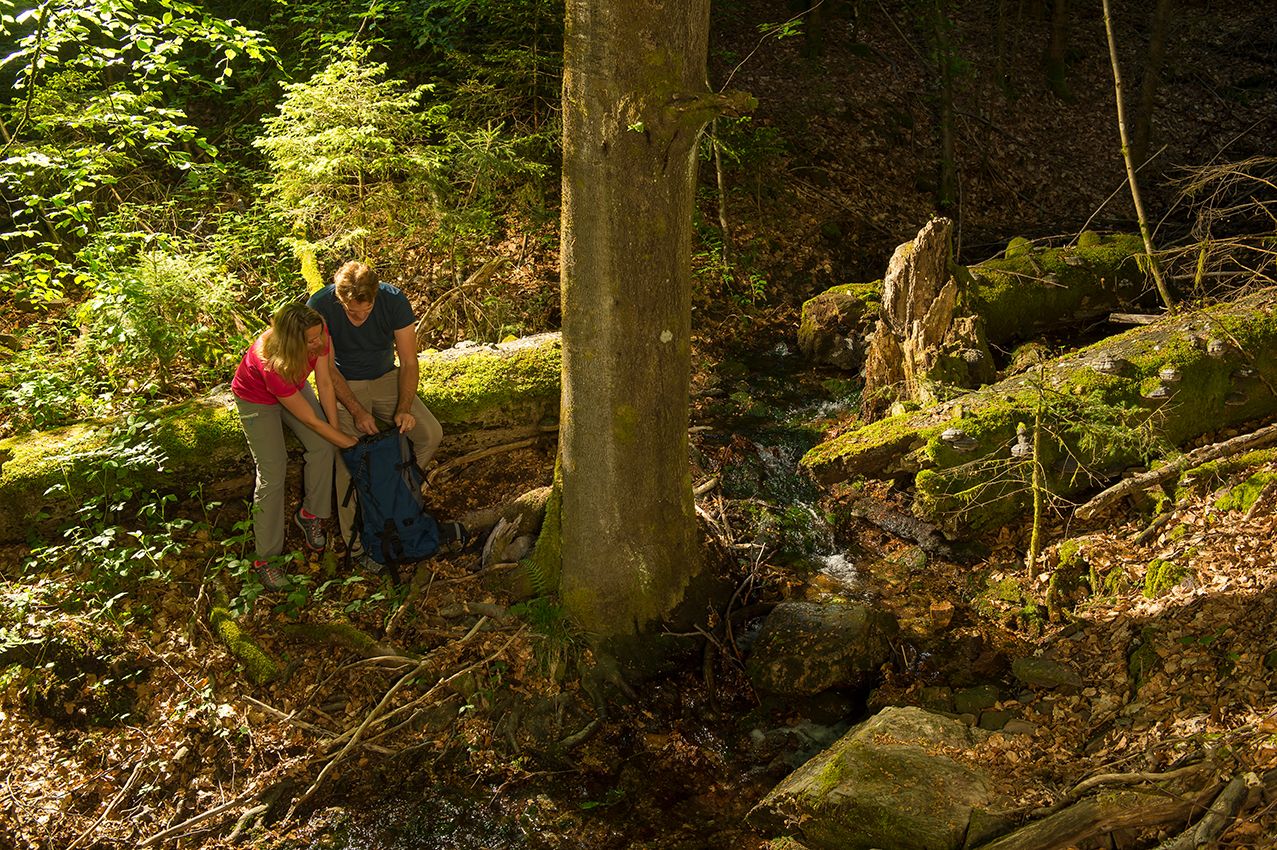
(368, 351)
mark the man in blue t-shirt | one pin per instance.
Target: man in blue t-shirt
(369, 323)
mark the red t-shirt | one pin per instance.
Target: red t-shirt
(256, 382)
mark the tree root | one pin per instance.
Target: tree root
(1218, 817)
(259, 666)
(1245, 442)
(445, 469)
(1102, 814)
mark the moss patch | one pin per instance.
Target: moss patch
(258, 666)
(1161, 576)
(488, 385)
(1243, 496)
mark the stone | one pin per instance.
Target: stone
(806, 647)
(885, 784)
(994, 720)
(1040, 672)
(975, 700)
(836, 324)
(936, 698)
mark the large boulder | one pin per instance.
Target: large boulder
(836, 322)
(806, 647)
(887, 784)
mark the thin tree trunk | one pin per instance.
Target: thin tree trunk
(1145, 232)
(946, 194)
(721, 178)
(1000, 74)
(1152, 76)
(1056, 68)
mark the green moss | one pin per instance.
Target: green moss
(259, 666)
(1089, 239)
(342, 635)
(1069, 553)
(1243, 496)
(1216, 472)
(1009, 306)
(860, 451)
(1161, 576)
(483, 384)
(1018, 246)
(1142, 660)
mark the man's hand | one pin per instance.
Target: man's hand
(364, 422)
(405, 421)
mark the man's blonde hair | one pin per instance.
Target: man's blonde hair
(355, 283)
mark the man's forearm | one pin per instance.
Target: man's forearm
(407, 386)
(345, 395)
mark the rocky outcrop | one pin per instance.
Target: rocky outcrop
(888, 783)
(1102, 409)
(805, 647)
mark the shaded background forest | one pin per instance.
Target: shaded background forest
(171, 172)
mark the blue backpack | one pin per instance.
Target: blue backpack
(390, 519)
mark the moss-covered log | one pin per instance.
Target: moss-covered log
(481, 395)
(1024, 294)
(258, 666)
(1120, 402)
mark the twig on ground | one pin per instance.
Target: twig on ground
(109, 806)
(1205, 454)
(478, 454)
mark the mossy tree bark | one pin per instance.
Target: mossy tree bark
(635, 102)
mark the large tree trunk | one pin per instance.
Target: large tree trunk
(635, 102)
(1104, 408)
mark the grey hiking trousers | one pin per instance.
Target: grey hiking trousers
(264, 427)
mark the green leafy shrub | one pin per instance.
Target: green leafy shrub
(169, 316)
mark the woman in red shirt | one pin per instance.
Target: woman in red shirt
(271, 391)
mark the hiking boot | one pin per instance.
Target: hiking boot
(453, 537)
(364, 563)
(313, 535)
(270, 575)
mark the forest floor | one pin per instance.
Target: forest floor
(490, 740)
(136, 720)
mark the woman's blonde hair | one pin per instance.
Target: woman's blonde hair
(355, 283)
(284, 349)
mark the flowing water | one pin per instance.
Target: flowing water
(763, 416)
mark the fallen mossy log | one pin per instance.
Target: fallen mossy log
(1104, 813)
(259, 667)
(482, 395)
(342, 635)
(1115, 404)
(1026, 293)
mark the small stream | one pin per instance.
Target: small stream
(762, 415)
